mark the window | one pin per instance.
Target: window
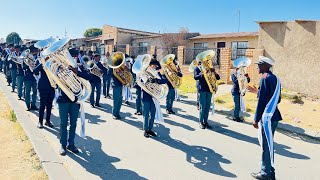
(143, 47)
(238, 49)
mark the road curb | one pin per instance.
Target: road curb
(50, 161)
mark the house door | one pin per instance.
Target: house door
(219, 46)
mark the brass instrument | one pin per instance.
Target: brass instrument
(103, 61)
(58, 69)
(193, 65)
(170, 70)
(28, 59)
(205, 58)
(91, 66)
(42, 45)
(241, 64)
(17, 59)
(143, 72)
(120, 71)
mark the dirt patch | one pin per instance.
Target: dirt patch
(18, 159)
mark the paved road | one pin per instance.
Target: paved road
(116, 149)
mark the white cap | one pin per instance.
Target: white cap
(263, 59)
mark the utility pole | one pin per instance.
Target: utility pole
(238, 20)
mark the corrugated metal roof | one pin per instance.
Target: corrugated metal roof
(226, 35)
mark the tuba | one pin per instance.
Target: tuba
(120, 71)
(58, 63)
(241, 64)
(143, 72)
(170, 70)
(42, 45)
(205, 58)
(91, 66)
(17, 59)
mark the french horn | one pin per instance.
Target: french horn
(143, 72)
(58, 63)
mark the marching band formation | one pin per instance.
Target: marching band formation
(69, 77)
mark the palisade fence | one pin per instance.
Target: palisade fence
(120, 47)
(163, 51)
(139, 50)
(190, 54)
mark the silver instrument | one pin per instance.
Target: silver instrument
(58, 63)
(241, 64)
(143, 72)
(28, 59)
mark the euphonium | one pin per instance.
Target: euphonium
(91, 66)
(120, 71)
(28, 59)
(42, 45)
(58, 69)
(206, 65)
(170, 70)
(13, 56)
(143, 72)
(241, 64)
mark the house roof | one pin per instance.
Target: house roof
(188, 35)
(146, 33)
(226, 35)
(297, 20)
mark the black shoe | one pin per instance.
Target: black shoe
(152, 133)
(172, 112)
(12, 91)
(260, 176)
(98, 105)
(40, 126)
(114, 117)
(168, 112)
(49, 124)
(118, 117)
(34, 108)
(145, 134)
(20, 98)
(208, 126)
(28, 109)
(73, 149)
(138, 113)
(105, 96)
(108, 96)
(202, 126)
(92, 105)
(63, 151)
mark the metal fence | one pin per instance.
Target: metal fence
(120, 47)
(191, 53)
(139, 50)
(163, 51)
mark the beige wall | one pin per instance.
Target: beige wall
(295, 46)
(109, 32)
(212, 42)
(155, 41)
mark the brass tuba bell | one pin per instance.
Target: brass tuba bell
(170, 70)
(120, 71)
(241, 64)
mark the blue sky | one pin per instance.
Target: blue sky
(40, 19)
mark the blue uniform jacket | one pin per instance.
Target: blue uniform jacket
(235, 88)
(147, 97)
(20, 70)
(94, 78)
(28, 74)
(202, 85)
(63, 98)
(267, 87)
(13, 65)
(44, 83)
(169, 84)
(115, 81)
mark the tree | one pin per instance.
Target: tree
(13, 38)
(92, 32)
(170, 41)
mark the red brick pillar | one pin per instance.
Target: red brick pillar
(225, 64)
(252, 70)
(181, 55)
(109, 48)
(128, 49)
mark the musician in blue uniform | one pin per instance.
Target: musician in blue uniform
(6, 64)
(2, 46)
(149, 109)
(107, 81)
(268, 88)
(204, 96)
(13, 68)
(95, 82)
(117, 96)
(30, 84)
(171, 93)
(69, 110)
(235, 91)
(20, 77)
(47, 94)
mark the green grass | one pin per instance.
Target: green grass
(188, 85)
(13, 117)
